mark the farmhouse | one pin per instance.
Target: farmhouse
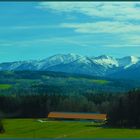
(77, 116)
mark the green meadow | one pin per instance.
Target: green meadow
(101, 81)
(32, 128)
(94, 81)
(5, 86)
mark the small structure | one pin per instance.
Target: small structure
(77, 116)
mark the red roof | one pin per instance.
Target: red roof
(65, 115)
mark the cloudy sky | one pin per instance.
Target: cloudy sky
(36, 30)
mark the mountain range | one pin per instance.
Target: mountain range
(104, 66)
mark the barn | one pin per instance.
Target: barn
(76, 116)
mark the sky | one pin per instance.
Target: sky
(37, 30)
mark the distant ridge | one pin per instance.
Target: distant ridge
(126, 67)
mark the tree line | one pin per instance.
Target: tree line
(39, 105)
(125, 111)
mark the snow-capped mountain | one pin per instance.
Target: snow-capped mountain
(56, 60)
(72, 63)
(128, 61)
(106, 61)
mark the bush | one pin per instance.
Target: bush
(1, 127)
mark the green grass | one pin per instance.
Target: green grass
(101, 81)
(5, 86)
(31, 128)
(95, 81)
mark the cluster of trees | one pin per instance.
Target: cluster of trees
(39, 105)
(125, 111)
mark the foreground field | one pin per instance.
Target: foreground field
(32, 128)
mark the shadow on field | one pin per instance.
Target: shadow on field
(110, 127)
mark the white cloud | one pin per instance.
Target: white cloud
(115, 10)
(103, 27)
(91, 41)
(120, 18)
(133, 38)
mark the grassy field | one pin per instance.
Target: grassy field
(96, 81)
(101, 81)
(31, 128)
(5, 86)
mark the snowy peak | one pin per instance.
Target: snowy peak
(72, 63)
(56, 60)
(106, 61)
(63, 57)
(134, 59)
(128, 61)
